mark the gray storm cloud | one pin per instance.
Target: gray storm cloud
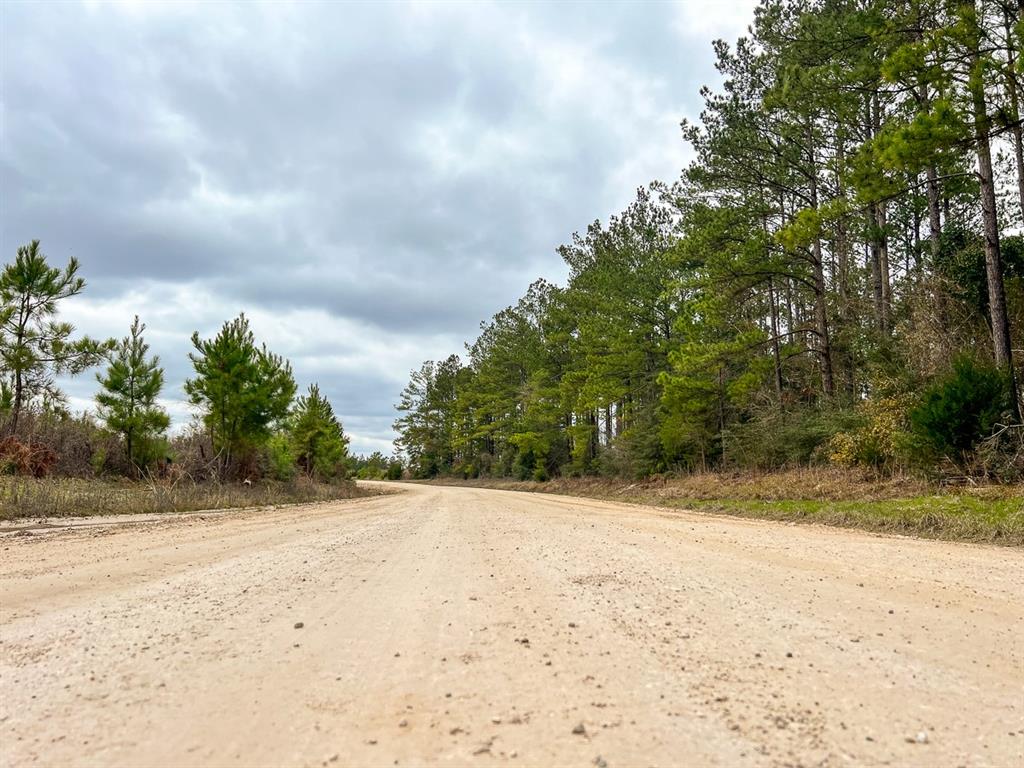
(367, 182)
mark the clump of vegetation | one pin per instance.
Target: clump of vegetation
(961, 409)
(318, 441)
(377, 466)
(28, 459)
(880, 439)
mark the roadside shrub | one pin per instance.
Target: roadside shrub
(395, 470)
(881, 439)
(777, 439)
(956, 412)
(27, 459)
(281, 462)
(637, 452)
(192, 454)
(98, 460)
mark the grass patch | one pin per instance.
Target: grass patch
(22, 497)
(902, 505)
(952, 517)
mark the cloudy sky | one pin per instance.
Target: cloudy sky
(366, 181)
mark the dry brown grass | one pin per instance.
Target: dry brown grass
(64, 497)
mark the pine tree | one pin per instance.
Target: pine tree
(34, 346)
(127, 401)
(318, 440)
(242, 389)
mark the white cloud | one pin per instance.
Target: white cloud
(720, 19)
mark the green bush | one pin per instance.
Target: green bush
(281, 458)
(879, 441)
(959, 410)
(776, 439)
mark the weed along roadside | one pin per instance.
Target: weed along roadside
(69, 497)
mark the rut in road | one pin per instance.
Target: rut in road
(468, 626)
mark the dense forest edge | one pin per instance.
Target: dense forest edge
(835, 281)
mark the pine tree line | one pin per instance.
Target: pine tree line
(837, 276)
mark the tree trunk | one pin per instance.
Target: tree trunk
(875, 264)
(776, 357)
(935, 243)
(915, 247)
(16, 408)
(1014, 92)
(934, 215)
(842, 279)
(879, 264)
(19, 381)
(1002, 348)
(820, 310)
(131, 458)
(883, 267)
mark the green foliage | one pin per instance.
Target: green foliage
(376, 466)
(960, 409)
(318, 441)
(779, 439)
(281, 460)
(372, 467)
(242, 390)
(961, 264)
(127, 400)
(880, 439)
(34, 346)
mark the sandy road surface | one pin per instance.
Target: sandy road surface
(476, 627)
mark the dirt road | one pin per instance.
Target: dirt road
(475, 627)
